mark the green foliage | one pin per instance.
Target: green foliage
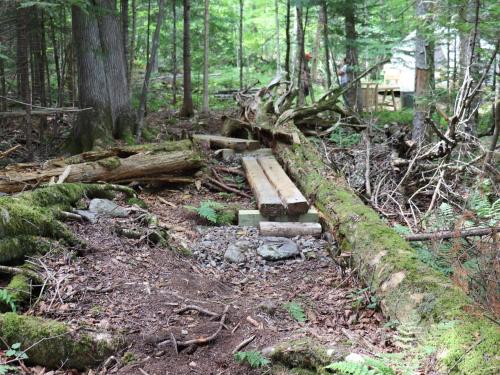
(368, 366)
(6, 369)
(214, 212)
(7, 299)
(15, 352)
(253, 358)
(404, 116)
(360, 299)
(344, 138)
(296, 311)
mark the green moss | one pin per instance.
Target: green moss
(128, 358)
(303, 354)
(110, 163)
(14, 249)
(138, 202)
(53, 344)
(20, 289)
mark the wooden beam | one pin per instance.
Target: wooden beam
(217, 141)
(252, 218)
(289, 229)
(295, 203)
(268, 201)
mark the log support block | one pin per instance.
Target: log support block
(236, 144)
(289, 229)
(252, 218)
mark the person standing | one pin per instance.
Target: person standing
(345, 77)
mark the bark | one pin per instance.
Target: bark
(317, 41)
(119, 167)
(132, 44)
(423, 69)
(93, 128)
(110, 34)
(205, 58)
(287, 40)
(326, 44)
(187, 103)
(124, 22)
(300, 65)
(23, 72)
(149, 69)
(37, 71)
(174, 52)
(240, 51)
(278, 51)
(352, 51)
(55, 46)
(3, 85)
(447, 234)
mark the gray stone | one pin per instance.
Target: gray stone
(277, 248)
(233, 254)
(105, 207)
(87, 215)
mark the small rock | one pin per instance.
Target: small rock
(184, 332)
(268, 306)
(87, 215)
(233, 254)
(193, 364)
(105, 207)
(277, 248)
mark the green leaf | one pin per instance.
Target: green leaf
(253, 358)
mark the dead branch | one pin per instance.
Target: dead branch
(201, 310)
(5, 153)
(447, 234)
(242, 344)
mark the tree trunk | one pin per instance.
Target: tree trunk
(315, 53)
(423, 69)
(174, 52)
(38, 76)
(23, 71)
(93, 128)
(287, 40)
(3, 84)
(148, 32)
(124, 22)
(299, 58)
(278, 52)
(132, 45)
(240, 52)
(352, 51)
(187, 103)
(110, 34)
(205, 108)
(326, 44)
(149, 69)
(55, 46)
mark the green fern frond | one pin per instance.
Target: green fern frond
(296, 311)
(253, 358)
(368, 366)
(7, 299)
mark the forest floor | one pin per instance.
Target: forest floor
(135, 289)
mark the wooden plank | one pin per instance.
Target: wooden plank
(268, 201)
(295, 203)
(237, 144)
(289, 229)
(252, 218)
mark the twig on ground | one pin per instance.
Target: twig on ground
(244, 343)
(199, 309)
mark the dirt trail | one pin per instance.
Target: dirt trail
(129, 287)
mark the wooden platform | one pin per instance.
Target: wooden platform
(293, 200)
(268, 201)
(217, 141)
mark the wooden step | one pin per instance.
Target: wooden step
(252, 218)
(268, 201)
(289, 229)
(218, 141)
(295, 203)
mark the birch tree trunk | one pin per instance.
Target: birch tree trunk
(205, 58)
(149, 69)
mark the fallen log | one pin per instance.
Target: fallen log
(289, 229)
(410, 292)
(447, 234)
(53, 344)
(110, 169)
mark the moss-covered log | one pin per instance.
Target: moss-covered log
(53, 344)
(411, 292)
(121, 166)
(29, 221)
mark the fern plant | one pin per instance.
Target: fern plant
(214, 212)
(296, 311)
(253, 358)
(368, 366)
(7, 299)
